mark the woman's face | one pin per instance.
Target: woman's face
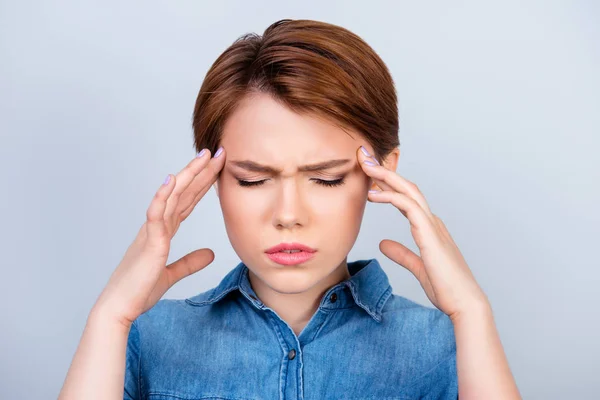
(291, 205)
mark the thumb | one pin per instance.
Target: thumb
(189, 264)
(402, 255)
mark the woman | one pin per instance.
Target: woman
(303, 125)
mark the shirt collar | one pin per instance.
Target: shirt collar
(368, 284)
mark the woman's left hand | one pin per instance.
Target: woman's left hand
(440, 269)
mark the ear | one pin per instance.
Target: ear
(389, 162)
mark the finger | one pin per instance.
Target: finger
(395, 182)
(188, 265)
(403, 256)
(408, 259)
(155, 225)
(202, 184)
(186, 212)
(185, 178)
(382, 185)
(361, 157)
(413, 211)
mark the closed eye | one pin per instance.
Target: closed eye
(336, 182)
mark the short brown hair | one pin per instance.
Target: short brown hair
(311, 67)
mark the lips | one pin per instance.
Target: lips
(284, 258)
(290, 246)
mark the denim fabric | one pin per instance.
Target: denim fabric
(363, 342)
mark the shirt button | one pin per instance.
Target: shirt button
(292, 354)
(333, 297)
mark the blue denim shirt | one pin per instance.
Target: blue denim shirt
(363, 342)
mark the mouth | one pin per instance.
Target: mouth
(290, 253)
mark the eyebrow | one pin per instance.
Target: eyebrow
(256, 167)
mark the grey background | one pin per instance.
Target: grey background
(499, 116)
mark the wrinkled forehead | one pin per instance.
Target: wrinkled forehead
(263, 128)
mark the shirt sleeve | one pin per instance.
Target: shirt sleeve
(132, 365)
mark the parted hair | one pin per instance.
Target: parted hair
(309, 66)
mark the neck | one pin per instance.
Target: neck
(296, 309)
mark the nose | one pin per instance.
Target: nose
(289, 210)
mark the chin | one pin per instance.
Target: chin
(290, 279)
(290, 287)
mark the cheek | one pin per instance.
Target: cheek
(237, 204)
(240, 218)
(345, 204)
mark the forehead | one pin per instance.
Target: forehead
(263, 127)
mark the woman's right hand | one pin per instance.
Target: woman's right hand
(142, 277)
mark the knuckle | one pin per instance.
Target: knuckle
(188, 169)
(157, 237)
(175, 195)
(158, 196)
(153, 214)
(412, 202)
(150, 214)
(158, 245)
(193, 169)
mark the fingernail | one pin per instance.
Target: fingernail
(365, 152)
(201, 153)
(369, 163)
(167, 180)
(374, 191)
(219, 151)
(374, 159)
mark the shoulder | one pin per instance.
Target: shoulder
(166, 317)
(428, 335)
(408, 312)
(424, 326)
(178, 316)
